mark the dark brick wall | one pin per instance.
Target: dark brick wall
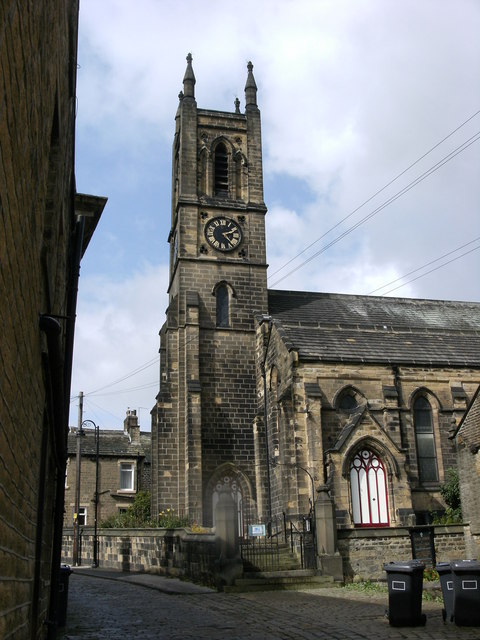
(37, 102)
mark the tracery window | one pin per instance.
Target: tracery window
(426, 454)
(368, 484)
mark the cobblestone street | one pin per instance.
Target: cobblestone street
(120, 606)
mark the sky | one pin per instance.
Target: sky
(371, 155)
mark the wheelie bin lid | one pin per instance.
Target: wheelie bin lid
(443, 567)
(407, 566)
(465, 565)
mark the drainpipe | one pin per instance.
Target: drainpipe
(62, 402)
(265, 421)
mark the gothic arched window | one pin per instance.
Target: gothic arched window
(426, 455)
(368, 483)
(221, 170)
(223, 306)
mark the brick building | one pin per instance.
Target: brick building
(45, 229)
(123, 471)
(359, 393)
(468, 445)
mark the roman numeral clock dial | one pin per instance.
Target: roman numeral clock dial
(223, 234)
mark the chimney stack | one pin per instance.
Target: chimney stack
(131, 426)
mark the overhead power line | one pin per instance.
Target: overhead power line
(450, 156)
(139, 369)
(143, 387)
(427, 264)
(374, 195)
(444, 264)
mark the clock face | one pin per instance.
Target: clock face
(223, 234)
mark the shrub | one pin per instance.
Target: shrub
(450, 491)
(168, 519)
(136, 516)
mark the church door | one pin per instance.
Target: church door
(368, 484)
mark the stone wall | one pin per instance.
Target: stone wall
(181, 553)
(468, 447)
(173, 552)
(365, 551)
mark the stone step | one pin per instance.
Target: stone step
(288, 573)
(280, 583)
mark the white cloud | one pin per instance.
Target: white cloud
(116, 334)
(351, 94)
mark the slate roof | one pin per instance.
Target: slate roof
(373, 329)
(112, 443)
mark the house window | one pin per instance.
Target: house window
(223, 304)
(369, 490)
(82, 517)
(221, 170)
(426, 455)
(127, 476)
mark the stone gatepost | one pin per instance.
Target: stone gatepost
(229, 564)
(329, 559)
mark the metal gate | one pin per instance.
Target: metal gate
(263, 544)
(303, 541)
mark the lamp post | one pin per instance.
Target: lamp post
(76, 528)
(95, 499)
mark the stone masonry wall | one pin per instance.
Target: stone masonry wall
(167, 552)
(468, 446)
(181, 553)
(38, 45)
(364, 552)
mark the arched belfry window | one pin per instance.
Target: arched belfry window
(347, 402)
(425, 439)
(222, 295)
(221, 170)
(348, 399)
(368, 483)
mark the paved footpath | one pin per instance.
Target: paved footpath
(115, 606)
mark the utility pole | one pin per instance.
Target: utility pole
(76, 528)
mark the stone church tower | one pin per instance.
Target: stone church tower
(202, 435)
